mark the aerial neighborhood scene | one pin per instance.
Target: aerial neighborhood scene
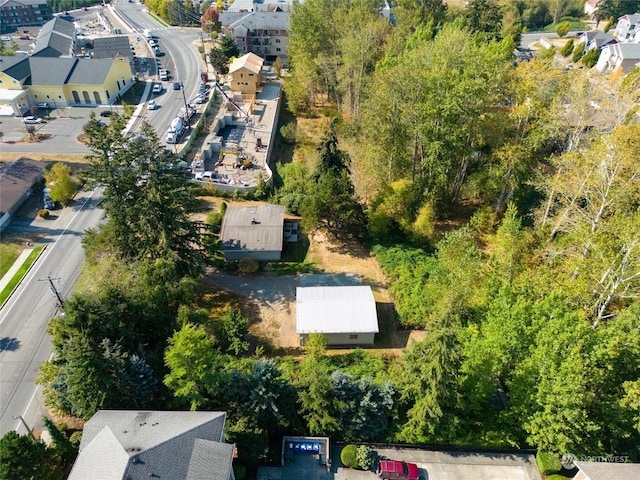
(324, 240)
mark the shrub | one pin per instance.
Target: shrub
(288, 132)
(547, 53)
(590, 58)
(366, 457)
(349, 456)
(567, 49)
(240, 472)
(43, 213)
(484, 220)
(609, 24)
(248, 265)
(548, 463)
(563, 28)
(556, 477)
(577, 53)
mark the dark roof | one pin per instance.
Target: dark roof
(90, 71)
(16, 178)
(51, 71)
(258, 228)
(111, 47)
(136, 445)
(55, 39)
(16, 67)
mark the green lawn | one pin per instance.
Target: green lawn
(19, 274)
(8, 253)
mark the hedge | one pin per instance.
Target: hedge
(548, 463)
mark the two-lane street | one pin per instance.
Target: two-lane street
(24, 318)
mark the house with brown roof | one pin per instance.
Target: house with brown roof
(246, 73)
(139, 445)
(18, 181)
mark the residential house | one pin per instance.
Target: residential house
(253, 232)
(264, 33)
(606, 471)
(591, 6)
(619, 55)
(595, 39)
(18, 180)
(627, 27)
(23, 13)
(139, 445)
(346, 315)
(63, 81)
(57, 38)
(246, 73)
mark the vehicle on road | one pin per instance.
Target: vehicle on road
(391, 469)
(176, 129)
(31, 120)
(152, 105)
(43, 105)
(24, 36)
(157, 88)
(106, 113)
(201, 98)
(5, 38)
(177, 86)
(164, 74)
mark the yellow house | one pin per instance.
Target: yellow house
(246, 73)
(64, 81)
(14, 72)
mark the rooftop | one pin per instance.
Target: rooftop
(258, 228)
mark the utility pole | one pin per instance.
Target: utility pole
(186, 107)
(16, 417)
(53, 289)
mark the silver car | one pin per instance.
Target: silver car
(31, 120)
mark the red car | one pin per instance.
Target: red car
(24, 36)
(390, 469)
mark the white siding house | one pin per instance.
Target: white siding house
(345, 315)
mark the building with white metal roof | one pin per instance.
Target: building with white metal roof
(345, 315)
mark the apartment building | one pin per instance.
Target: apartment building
(15, 14)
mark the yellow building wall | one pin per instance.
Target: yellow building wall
(118, 81)
(245, 81)
(50, 94)
(9, 83)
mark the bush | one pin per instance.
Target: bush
(288, 132)
(366, 457)
(43, 213)
(248, 265)
(567, 49)
(548, 463)
(577, 53)
(563, 28)
(240, 472)
(590, 58)
(547, 53)
(349, 456)
(556, 477)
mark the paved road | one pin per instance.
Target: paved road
(24, 318)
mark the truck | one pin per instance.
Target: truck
(164, 74)
(148, 34)
(175, 131)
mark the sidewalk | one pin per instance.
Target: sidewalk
(4, 281)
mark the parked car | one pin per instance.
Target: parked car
(48, 203)
(30, 120)
(43, 105)
(157, 88)
(106, 113)
(24, 36)
(152, 105)
(391, 469)
(177, 86)
(5, 38)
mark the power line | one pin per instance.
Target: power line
(53, 289)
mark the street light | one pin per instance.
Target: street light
(16, 417)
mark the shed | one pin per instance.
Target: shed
(345, 315)
(253, 232)
(17, 183)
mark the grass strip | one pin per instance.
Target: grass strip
(20, 274)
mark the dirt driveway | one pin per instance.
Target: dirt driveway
(271, 298)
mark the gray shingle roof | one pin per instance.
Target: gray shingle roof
(55, 39)
(50, 71)
(111, 47)
(257, 20)
(16, 67)
(90, 71)
(16, 178)
(609, 470)
(119, 444)
(259, 228)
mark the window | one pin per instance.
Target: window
(266, 32)
(277, 40)
(353, 337)
(277, 49)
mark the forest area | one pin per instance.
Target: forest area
(503, 207)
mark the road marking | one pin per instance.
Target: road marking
(49, 250)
